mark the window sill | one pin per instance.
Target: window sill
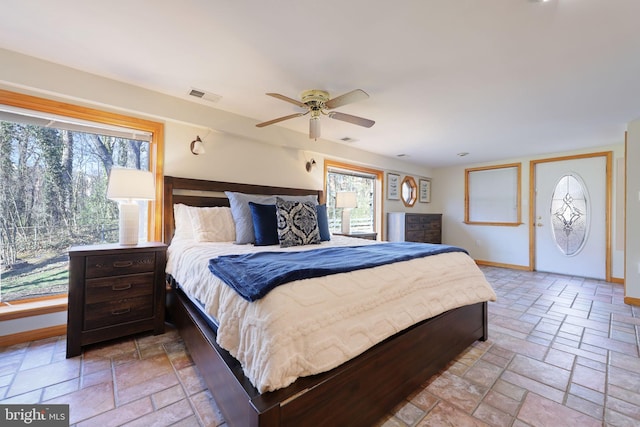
(35, 307)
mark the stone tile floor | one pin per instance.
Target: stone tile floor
(562, 351)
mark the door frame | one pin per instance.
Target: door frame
(532, 204)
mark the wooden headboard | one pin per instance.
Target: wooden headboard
(173, 187)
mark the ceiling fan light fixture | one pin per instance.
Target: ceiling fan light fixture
(314, 128)
(316, 102)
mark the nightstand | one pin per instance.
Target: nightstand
(368, 236)
(114, 291)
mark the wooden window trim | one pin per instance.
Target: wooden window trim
(518, 220)
(156, 151)
(32, 307)
(378, 217)
(156, 163)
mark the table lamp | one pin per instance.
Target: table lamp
(346, 200)
(127, 186)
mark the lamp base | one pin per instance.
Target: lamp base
(128, 223)
(346, 221)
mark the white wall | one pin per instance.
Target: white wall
(632, 278)
(510, 245)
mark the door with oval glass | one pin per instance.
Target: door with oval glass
(570, 216)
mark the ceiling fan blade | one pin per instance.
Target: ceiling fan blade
(347, 98)
(280, 119)
(360, 121)
(286, 98)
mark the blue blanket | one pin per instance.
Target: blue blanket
(254, 275)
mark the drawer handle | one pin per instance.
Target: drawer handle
(122, 311)
(122, 264)
(121, 287)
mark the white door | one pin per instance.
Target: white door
(570, 221)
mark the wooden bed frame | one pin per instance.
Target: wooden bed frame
(361, 392)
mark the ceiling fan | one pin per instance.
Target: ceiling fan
(317, 102)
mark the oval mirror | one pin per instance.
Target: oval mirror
(409, 191)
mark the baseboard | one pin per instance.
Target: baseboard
(502, 265)
(36, 334)
(632, 301)
(617, 280)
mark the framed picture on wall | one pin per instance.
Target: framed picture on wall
(424, 191)
(393, 186)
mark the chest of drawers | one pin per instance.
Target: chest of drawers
(410, 227)
(114, 291)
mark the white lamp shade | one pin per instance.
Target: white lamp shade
(127, 186)
(130, 184)
(346, 199)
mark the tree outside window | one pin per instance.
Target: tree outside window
(365, 183)
(53, 196)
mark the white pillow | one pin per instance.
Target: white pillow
(182, 221)
(213, 224)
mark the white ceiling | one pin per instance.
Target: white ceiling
(495, 78)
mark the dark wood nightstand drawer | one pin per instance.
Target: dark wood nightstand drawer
(115, 288)
(120, 264)
(114, 291)
(119, 311)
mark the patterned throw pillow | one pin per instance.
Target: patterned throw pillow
(297, 223)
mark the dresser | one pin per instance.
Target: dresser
(114, 291)
(414, 227)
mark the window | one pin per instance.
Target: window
(492, 195)
(55, 160)
(366, 183)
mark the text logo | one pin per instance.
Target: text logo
(34, 415)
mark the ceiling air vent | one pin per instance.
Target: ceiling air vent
(208, 96)
(197, 93)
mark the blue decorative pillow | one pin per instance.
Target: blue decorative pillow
(265, 224)
(297, 223)
(241, 213)
(323, 223)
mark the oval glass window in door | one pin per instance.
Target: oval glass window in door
(569, 214)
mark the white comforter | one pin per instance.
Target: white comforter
(313, 325)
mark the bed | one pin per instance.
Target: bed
(358, 392)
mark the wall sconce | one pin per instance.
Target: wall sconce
(310, 164)
(197, 146)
